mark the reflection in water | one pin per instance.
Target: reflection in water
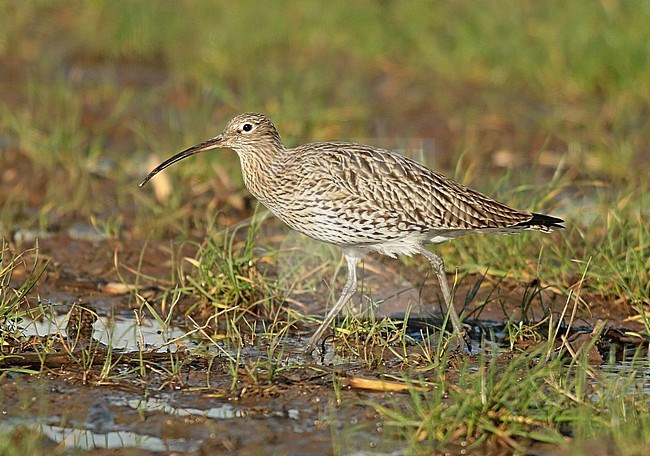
(100, 418)
(120, 333)
(86, 439)
(222, 411)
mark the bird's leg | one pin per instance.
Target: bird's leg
(438, 266)
(348, 290)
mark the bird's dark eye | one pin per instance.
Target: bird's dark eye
(247, 127)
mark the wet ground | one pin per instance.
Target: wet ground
(162, 387)
(155, 386)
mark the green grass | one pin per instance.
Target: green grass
(14, 293)
(513, 400)
(615, 242)
(517, 402)
(226, 277)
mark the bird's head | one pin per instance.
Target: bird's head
(248, 133)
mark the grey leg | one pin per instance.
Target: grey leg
(349, 289)
(438, 266)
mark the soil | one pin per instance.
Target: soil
(200, 410)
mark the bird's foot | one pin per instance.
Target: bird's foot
(316, 346)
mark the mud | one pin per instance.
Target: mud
(168, 398)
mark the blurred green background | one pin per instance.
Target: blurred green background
(544, 104)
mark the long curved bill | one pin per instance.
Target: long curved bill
(213, 143)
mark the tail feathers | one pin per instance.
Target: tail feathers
(542, 222)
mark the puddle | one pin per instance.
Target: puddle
(118, 332)
(223, 411)
(635, 373)
(85, 439)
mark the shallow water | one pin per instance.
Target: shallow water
(119, 332)
(201, 408)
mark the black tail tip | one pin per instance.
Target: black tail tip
(543, 220)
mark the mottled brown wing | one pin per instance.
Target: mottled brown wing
(403, 194)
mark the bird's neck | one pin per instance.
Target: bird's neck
(259, 168)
